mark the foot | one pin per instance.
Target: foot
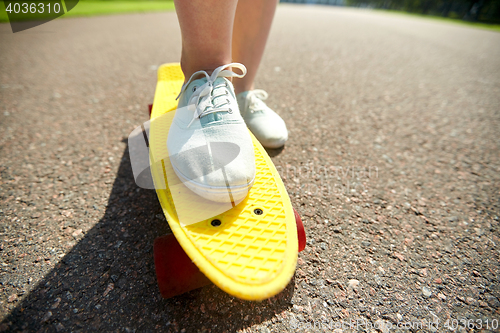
(210, 148)
(265, 124)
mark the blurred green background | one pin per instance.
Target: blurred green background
(104, 7)
(480, 13)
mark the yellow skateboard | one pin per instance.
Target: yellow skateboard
(249, 249)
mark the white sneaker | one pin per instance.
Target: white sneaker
(210, 148)
(265, 124)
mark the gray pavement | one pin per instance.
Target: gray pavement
(393, 161)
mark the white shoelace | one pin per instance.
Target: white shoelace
(203, 99)
(254, 100)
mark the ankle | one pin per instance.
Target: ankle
(190, 67)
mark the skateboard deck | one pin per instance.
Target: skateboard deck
(250, 250)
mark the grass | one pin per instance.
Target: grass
(93, 8)
(480, 25)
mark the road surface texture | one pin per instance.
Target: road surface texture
(393, 161)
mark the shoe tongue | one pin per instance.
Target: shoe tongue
(219, 83)
(257, 105)
(199, 82)
(220, 80)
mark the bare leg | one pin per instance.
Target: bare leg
(252, 23)
(206, 27)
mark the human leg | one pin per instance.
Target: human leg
(206, 28)
(252, 23)
(210, 149)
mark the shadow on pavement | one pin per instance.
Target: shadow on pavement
(272, 152)
(107, 281)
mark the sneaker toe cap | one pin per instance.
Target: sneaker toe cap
(213, 166)
(270, 133)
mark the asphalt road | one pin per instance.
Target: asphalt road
(393, 161)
